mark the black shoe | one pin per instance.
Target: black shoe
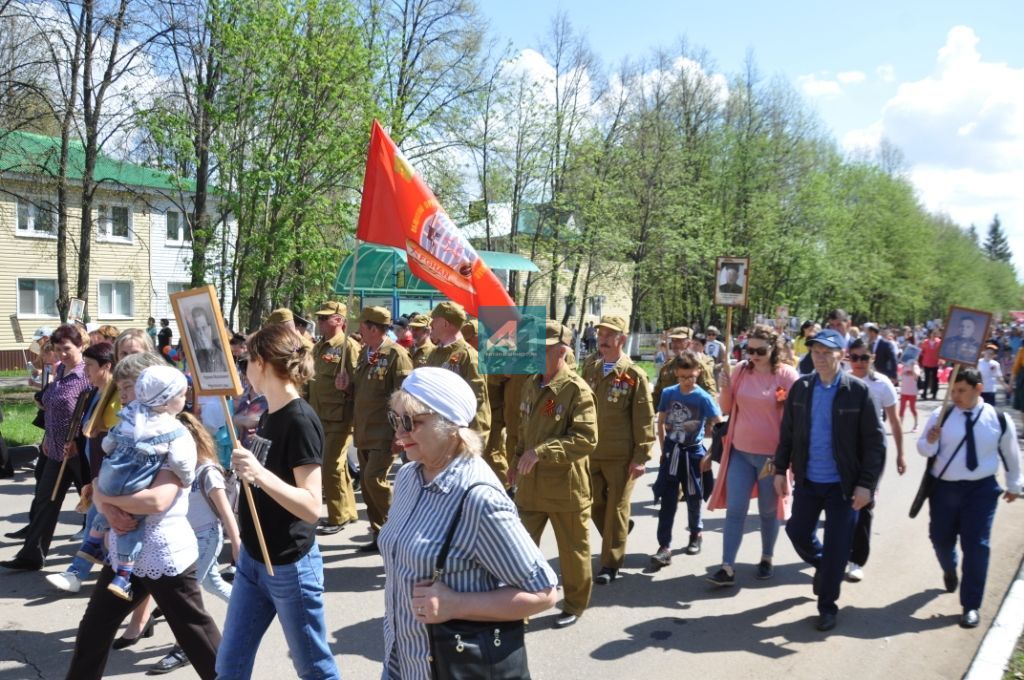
(629, 527)
(174, 660)
(693, 547)
(329, 529)
(970, 619)
(21, 564)
(565, 619)
(826, 622)
(370, 547)
(764, 570)
(721, 578)
(20, 533)
(606, 576)
(951, 580)
(147, 632)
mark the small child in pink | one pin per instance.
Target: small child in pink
(908, 390)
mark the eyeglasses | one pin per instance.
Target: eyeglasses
(691, 376)
(860, 357)
(406, 422)
(758, 351)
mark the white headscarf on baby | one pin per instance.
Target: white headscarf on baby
(444, 393)
(155, 387)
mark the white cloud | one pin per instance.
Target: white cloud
(961, 129)
(816, 87)
(851, 77)
(886, 73)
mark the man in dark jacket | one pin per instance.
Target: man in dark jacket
(884, 352)
(832, 440)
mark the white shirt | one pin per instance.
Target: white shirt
(987, 444)
(883, 392)
(990, 373)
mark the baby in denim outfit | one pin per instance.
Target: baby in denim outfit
(147, 438)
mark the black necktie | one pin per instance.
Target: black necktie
(972, 451)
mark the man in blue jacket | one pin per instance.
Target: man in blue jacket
(832, 440)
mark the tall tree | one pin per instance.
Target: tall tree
(997, 247)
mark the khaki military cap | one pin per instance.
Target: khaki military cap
(614, 323)
(377, 315)
(282, 315)
(419, 321)
(680, 333)
(469, 329)
(331, 308)
(451, 312)
(555, 333)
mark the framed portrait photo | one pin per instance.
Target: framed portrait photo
(732, 279)
(77, 309)
(205, 341)
(964, 335)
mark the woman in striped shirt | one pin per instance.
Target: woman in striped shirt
(494, 572)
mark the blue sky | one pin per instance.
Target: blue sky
(942, 80)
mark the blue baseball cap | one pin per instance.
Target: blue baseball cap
(828, 338)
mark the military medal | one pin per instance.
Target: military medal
(559, 410)
(549, 408)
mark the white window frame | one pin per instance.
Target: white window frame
(113, 314)
(105, 223)
(182, 228)
(36, 210)
(35, 314)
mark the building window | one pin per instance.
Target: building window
(597, 305)
(37, 297)
(37, 218)
(178, 230)
(115, 222)
(115, 299)
(176, 287)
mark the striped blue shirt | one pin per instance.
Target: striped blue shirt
(490, 549)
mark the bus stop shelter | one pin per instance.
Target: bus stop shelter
(383, 279)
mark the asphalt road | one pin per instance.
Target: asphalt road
(899, 622)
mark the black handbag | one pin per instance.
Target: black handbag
(475, 650)
(927, 485)
(718, 432)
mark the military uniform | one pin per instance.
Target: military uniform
(626, 420)
(495, 449)
(377, 376)
(667, 376)
(285, 315)
(461, 359)
(420, 353)
(559, 423)
(334, 407)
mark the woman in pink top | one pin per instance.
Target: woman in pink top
(929, 361)
(753, 397)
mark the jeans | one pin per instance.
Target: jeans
(295, 594)
(965, 509)
(829, 558)
(931, 381)
(210, 541)
(741, 477)
(80, 565)
(666, 486)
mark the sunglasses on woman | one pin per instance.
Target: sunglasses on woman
(860, 357)
(759, 351)
(405, 422)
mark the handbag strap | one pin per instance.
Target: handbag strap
(442, 556)
(958, 446)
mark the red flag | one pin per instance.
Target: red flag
(400, 210)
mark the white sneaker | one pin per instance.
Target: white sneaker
(68, 581)
(854, 572)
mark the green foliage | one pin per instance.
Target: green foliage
(997, 247)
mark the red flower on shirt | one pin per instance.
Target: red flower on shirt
(780, 394)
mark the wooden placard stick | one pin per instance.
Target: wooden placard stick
(949, 388)
(73, 429)
(248, 489)
(726, 366)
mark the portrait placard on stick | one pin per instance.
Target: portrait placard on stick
(77, 309)
(205, 341)
(964, 335)
(732, 279)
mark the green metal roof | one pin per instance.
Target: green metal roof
(32, 154)
(382, 270)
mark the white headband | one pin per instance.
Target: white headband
(444, 393)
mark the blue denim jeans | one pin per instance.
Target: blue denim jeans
(80, 565)
(295, 594)
(740, 480)
(667, 486)
(210, 541)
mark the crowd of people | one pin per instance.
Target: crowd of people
(486, 462)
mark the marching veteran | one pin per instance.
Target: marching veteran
(557, 434)
(454, 353)
(330, 395)
(625, 413)
(419, 326)
(286, 317)
(382, 366)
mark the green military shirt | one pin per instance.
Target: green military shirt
(624, 411)
(559, 422)
(667, 378)
(462, 360)
(376, 379)
(420, 353)
(330, 357)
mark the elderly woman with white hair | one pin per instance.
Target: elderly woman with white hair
(493, 572)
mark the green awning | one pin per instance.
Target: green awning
(382, 270)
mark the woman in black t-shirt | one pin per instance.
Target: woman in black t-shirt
(287, 494)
